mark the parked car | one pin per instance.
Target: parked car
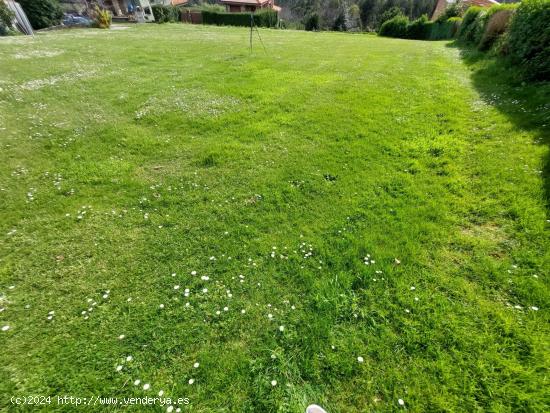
(75, 20)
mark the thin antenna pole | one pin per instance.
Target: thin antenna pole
(251, 25)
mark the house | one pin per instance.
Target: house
(178, 3)
(122, 10)
(243, 6)
(441, 5)
(130, 10)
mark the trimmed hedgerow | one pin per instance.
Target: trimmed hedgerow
(496, 22)
(446, 29)
(264, 18)
(420, 28)
(166, 14)
(395, 27)
(471, 28)
(528, 41)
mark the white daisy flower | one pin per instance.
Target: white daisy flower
(273, 383)
(176, 287)
(170, 409)
(129, 358)
(136, 382)
(360, 359)
(146, 386)
(161, 392)
(401, 402)
(118, 368)
(191, 381)
(5, 328)
(226, 309)
(281, 328)
(121, 336)
(196, 365)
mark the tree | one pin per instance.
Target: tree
(354, 17)
(6, 17)
(312, 22)
(389, 14)
(369, 13)
(42, 13)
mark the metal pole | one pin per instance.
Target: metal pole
(251, 25)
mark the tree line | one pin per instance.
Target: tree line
(351, 15)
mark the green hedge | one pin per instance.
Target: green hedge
(264, 18)
(166, 14)
(473, 22)
(496, 23)
(528, 40)
(420, 29)
(395, 27)
(445, 29)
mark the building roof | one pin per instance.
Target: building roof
(179, 2)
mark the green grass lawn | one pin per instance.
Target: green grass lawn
(344, 220)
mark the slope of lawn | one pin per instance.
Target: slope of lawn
(343, 219)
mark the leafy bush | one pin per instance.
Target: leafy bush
(390, 14)
(42, 13)
(312, 22)
(103, 18)
(472, 25)
(529, 38)
(420, 28)
(267, 18)
(453, 10)
(498, 19)
(447, 29)
(6, 17)
(395, 27)
(166, 14)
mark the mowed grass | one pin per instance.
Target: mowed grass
(339, 197)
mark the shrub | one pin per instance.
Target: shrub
(390, 14)
(267, 18)
(528, 39)
(498, 19)
(395, 27)
(453, 10)
(102, 18)
(166, 14)
(472, 25)
(6, 17)
(420, 28)
(447, 29)
(312, 22)
(42, 13)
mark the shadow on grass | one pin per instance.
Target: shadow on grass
(526, 104)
